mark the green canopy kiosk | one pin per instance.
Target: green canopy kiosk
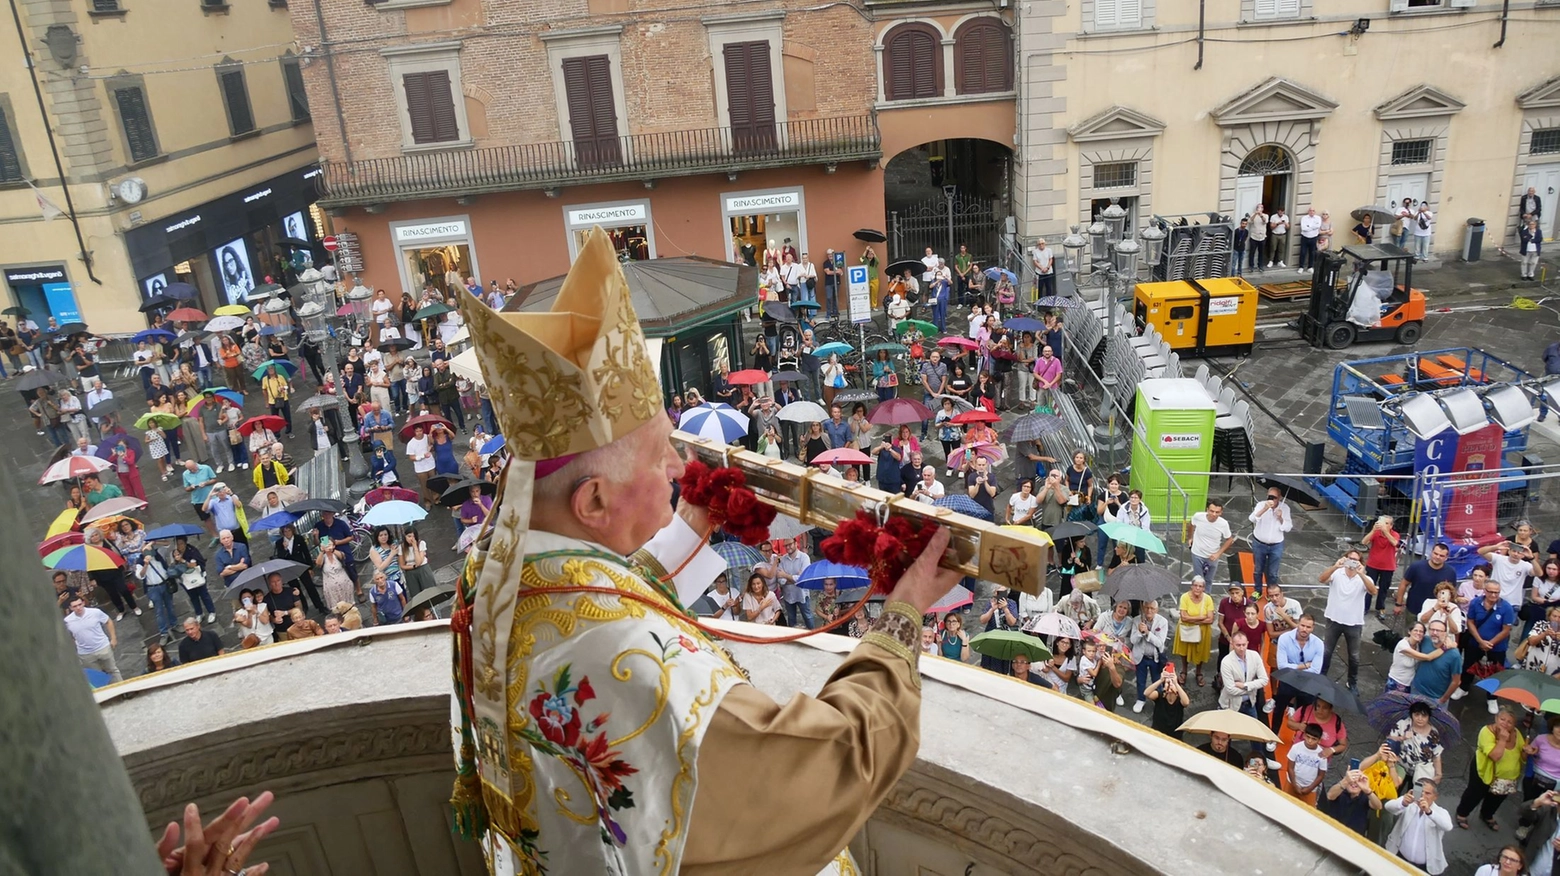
(1173, 434)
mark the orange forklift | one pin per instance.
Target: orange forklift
(1379, 283)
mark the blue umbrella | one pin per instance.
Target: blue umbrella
(284, 367)
(963, 505)
(394, 513)
(153, 335)
(273, 521)
(493, 445)
(96, 677)
(833, 347)
(845, 577)
(275, 329)
(999, 273)
(738, 555)
(1024, 324)
(715, 421)
(174, 530)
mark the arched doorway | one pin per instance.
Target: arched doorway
(947, 193)
(1266, 177)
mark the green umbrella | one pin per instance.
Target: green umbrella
(920, 325)
(161, 420)
(431, 311)
(1007, 644)
(1133, 535)
(893, 349)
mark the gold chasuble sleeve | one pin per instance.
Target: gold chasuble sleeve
(783, 788)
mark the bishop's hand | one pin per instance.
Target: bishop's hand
(925, 581)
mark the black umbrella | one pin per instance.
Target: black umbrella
(431, 596)
(255, 576)
(1068, 529)
(440, 483)
(456, 494)
(104, 406)
(71, 328)
(778, 312)
(264, 290)
(191, 335)
(1139, 581)
(298, 290)
(1321, 687)
(704, 606)
(786, 377)
(870, 235)
(1292, 488)
(915, 266)
(396, 345)
(294, 243)
(16, 310)
(335, 506)
(39, 378)
(181, 291)
(319, 401)
(158, 302)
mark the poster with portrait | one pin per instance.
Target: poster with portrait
(155, 285)
(296, 227)
(233, 271)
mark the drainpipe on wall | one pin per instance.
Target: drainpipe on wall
(54, 149)
(1505, 13)
(1202, 17)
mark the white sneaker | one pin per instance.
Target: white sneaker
(1282, 265)
(1267, 707)
(119, 617)
(1494, 707)
(1270, 264)
(1120, 701)
(211, 618)
(1459, 694)
(1137, 707)
(137, 612)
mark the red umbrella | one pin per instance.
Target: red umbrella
(73, 467)
(187, 314)
(64, 539)
(390, 494)
(427, 421)
(268, 421)
(956, 341)
(978, 415)
(747, 377)
(899, 412)
(842, 456)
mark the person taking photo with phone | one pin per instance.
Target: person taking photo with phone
(1347, 587)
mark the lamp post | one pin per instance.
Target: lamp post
(1113, 267)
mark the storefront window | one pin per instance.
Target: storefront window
(632, 242)
(445, 267)
(628, 224)
(45, 291)
(765, 226)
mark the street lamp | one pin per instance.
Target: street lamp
(1113, 267)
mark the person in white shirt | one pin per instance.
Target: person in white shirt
(808, 284)
(1511, 565)
(930, 260)
(728, 602)
(1044, 262)
(1245, 677)
(1420, 828)
(1424, 226)
(1310, 231)
(95, 638)
(791, 278)
(1270, 520)
(1278, 236)
(1022, 504)
(1346, 585)
(1279, 612)
(1256, 238)
(1148, 637)
(94, 395)
(977, 319)
(421, 455)
(928, 489)
(1210, 537)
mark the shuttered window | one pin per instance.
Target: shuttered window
(982, 57)
(241, 120)
(587, 82)
(912, 62)
(750, 95)
(137, 123)
(297, 95)
(1118, 14)
(1271, 10)
(431, 106)
(10, 158)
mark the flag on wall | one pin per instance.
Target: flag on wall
(48, 208)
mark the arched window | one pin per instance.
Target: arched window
(982, 57)
(912, 62)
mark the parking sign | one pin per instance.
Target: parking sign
(860, 293)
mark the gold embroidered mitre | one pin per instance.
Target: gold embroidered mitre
(575, 378)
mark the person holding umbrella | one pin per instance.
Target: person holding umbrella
(278, 393)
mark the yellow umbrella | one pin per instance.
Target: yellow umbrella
(231, 310)
(1027, 530)
(1229, 721)
(62, 523)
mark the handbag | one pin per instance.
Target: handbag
(1189, 633)
(1502, 787)
(235, 437)
(193, 579)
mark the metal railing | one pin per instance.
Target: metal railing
(579, 162)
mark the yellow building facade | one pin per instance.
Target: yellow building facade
(1188, 108)
(183, 134)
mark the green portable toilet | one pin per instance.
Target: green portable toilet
(1174, 423)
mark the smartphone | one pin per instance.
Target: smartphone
(1354, 764)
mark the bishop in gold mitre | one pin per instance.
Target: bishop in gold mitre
(600, 732)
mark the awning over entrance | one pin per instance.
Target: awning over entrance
(670, 295)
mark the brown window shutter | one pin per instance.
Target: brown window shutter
(998, 57)
(417, 108)
(587, 84)
(10, 158)
(739, 99)
(431, 106)
(240, 119)
(137, 123)
(914, 65)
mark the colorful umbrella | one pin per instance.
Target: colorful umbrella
(287, 368)
(833, 348)
(173, 530)
(63, 523)
(73, 467)
(160, 420)
(234, 310)
(187, 314)
(984, 449)
(899, 412)
(962, 504)
(394, 513)
(63, 540)
(958, 341)
(427, 422)
(390, 494)
(845, 577)
(926, 329)
(287, 493)
(273, 521)
(803, 412)
(737, 555)
(1385, 711)
(715, 421)
(1032, 427)
(847, 397)
(1007, 644)
(976, 415)
(106, 448)
(842, 456)
(1524, 686)
(83, 558)
(1229, 721)
(1055, 301)
(1001, 273)
(112, 507)
(264, 421)
(747, 377)
(1056, 624)
(216, 396)
(1133, 535)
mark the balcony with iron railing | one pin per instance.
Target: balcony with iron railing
(459, 172)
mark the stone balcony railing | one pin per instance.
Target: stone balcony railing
(468, 171)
